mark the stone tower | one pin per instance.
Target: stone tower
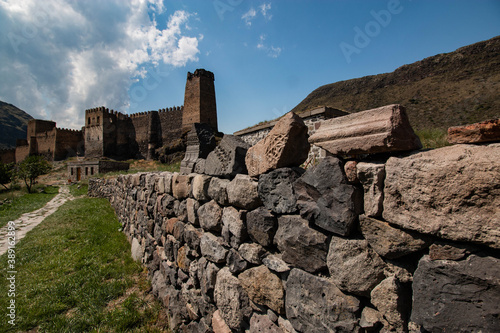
(199, 100)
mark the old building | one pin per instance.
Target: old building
(79, 170)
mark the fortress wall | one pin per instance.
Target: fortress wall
(406, 243)
(68, 143)
(8, 156)
(45, 144)
(142, 126)
(171, 124)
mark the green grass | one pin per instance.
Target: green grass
(173, 167)
(24, 203)
(79, 189)
(433, 138)
(75, 274)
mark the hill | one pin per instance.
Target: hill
(444, 90)
(13, 125)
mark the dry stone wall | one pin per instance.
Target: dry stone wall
(407, 243)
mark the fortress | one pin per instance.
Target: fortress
(108, 133)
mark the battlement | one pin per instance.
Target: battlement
(68, 130)
(201, 72)
(170, 109)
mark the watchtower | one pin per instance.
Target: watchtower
(199, 100)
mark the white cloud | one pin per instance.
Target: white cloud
(271, 51)
(61, 57)
(249, 16)
(264, 10)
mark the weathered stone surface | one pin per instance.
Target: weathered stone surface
(192, 207)
(261, 226)
(218, 324)
(351, 171)
(251, 252)
(217, 190)
(379, 130)
(325, 198)
(232, 300)
(183, 260)
(314, 304)
(450, 251)
(486, 131)
(262, 324)
(300, 245)
(390, 242)
(200, 142)
(212, 249)
(393, 301)
(192, 237)
(232, 220)
(263, 287)
(181, 186)
(164, 183)
(464, 296)
(371, 319)
(228, 158)
(276, 190)
(354, 267)
(371, 176)
(210, 216)
(451, 192)
(200, 187)
(235, 262)
(286, 325)
(275, 263)
(137, 251)
(285, 145)
(242, 192)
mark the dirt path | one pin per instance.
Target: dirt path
(28, 221)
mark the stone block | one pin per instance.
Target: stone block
(242, 193)
(276, 190)
(251, 252)
(164, 183)
(200, 142)
(180, 186)
(200, 187)
(354, 267)
(371, 176)
(314, 304)
(217, 190)
(393, 300)
(211, 248)
(261, 226)
(457, 296)
(210, 216)
(285, 145)
(262, 324)
(218, 324)
(300, 245)
(390, 242)
(192, 207)
(233, 221)
(486, 131)
(325, 197)
(228, 158)
(235, 262)
(275, 263)
(380, 130)
(264, 288)
(451, 192)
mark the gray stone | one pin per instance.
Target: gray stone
(192, 237)
(262, 324)
(210, 216)
(354, 267)
(207, 274)
(276, 190)
(371, 176)
(242, 192)
(314, 304)
(450, 251)
(212, 249)
(217, 190)
(235, 262)
(164, 183)
(200, 187)
(393, 301)
(371, 319)
(457, 296)
(275, 263)
(232, 219)
(325, 198)
(228, 158)
(192, 207)
(379, 130)
(450, 192)
(251, 252)
(285, 325)
(200, 142)
(218, 323)
(390, 242)
(232, 300)
(181, 186)
(137, 251)
(285, 145)
(263, 287)
(261, 226)
(300, 245)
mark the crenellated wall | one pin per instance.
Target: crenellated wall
(406, 243)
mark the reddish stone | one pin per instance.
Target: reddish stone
(486, 131)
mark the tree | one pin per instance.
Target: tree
(32, 167)
(6, 173)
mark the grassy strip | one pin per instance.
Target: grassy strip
(433, 138)
(75, 274)
(25, 203)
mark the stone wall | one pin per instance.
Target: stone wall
(401, 242)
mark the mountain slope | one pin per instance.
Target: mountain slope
(13, 125)
(445, 90)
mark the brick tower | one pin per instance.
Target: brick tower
(199, 100)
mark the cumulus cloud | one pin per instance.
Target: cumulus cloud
(264, 8)
(60, 57)
(249, 16)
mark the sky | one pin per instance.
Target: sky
(61, 57)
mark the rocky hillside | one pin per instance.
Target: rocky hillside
(13, 125)
(445, 90)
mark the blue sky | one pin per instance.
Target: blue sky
(60, 57)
